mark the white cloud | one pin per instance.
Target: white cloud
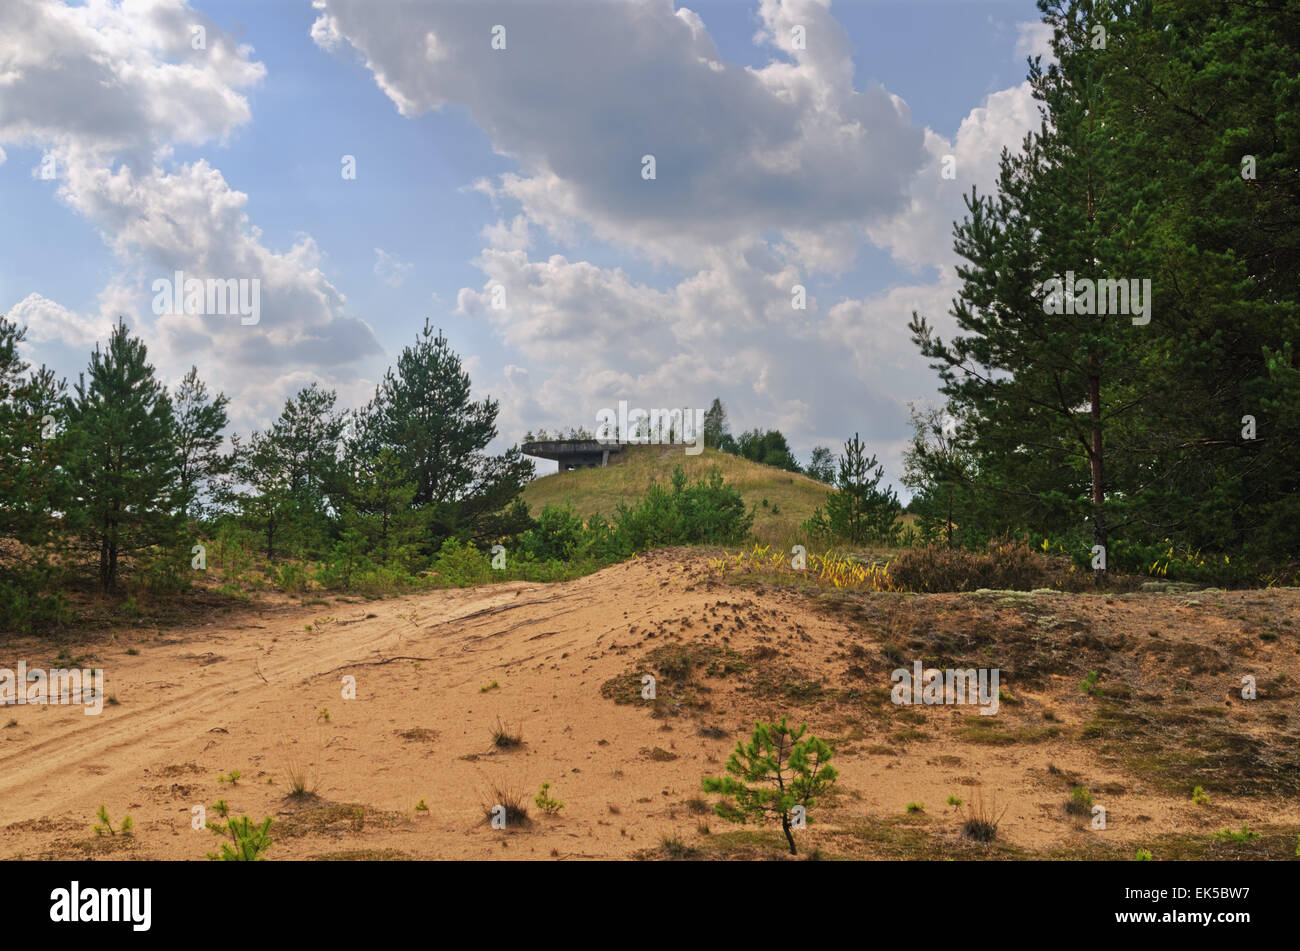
(48, 321)
(391, 269)
(789, 147)
(1034, 38)
(109, 90)
(765, 176)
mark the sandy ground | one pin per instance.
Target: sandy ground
(264, 695)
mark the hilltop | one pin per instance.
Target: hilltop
(790, 497)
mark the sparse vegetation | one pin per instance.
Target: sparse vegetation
(546, 802)
(302, 779)
(982, 820)
(798, 769)
(1080, 803)
(1241, 837)
(247, 841)
(105, 824)
(502, 801)
(505, 738)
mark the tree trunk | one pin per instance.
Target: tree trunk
(1095, 458)
(948, 527)
(785, 827)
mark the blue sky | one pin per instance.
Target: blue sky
(447, 147)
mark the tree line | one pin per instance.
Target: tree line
(120, 470)
(118, 482)
(1169, 151)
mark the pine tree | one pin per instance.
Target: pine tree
(715, 425)
(423, 413)
(938, 471)
(786, 770)
(199, 425)
(122, 456)
(290, 476)
(381, 493)
(1043, 376)
(1169, 152)
(260, 489)
(860, 510)
(821, 464)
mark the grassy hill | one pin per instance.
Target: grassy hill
(790, 497)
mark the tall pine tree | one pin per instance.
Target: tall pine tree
(122, 456)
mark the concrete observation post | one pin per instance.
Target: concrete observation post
(572, 453)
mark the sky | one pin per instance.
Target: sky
(374, 164)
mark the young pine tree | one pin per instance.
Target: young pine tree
(122, 457)
(860, 510)
(199, 424)
(776, 773)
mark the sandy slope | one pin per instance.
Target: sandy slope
(250, 696)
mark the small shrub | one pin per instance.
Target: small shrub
(955, 800)
(982, 821)
(421, 806)
(302, 780)
(461, 565)
(1080, 803)
(1089, 684)
(232, 777)
(793, 772)
(492, 686)
(935, 569)
(1142, 856)
(247, 842)
(291, 578)
(1247, 834)
(506, 797)
(505, 739)
(105, 824)
(675, 848)
(545, 803)
(1200, 796)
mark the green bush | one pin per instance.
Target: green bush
(556, 535)
(247, 842)
(461, 565)
(706, 512)
(291, 578)
(31, 599)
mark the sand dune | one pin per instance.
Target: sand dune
(261, 694)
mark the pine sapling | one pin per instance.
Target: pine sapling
(793, 772)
